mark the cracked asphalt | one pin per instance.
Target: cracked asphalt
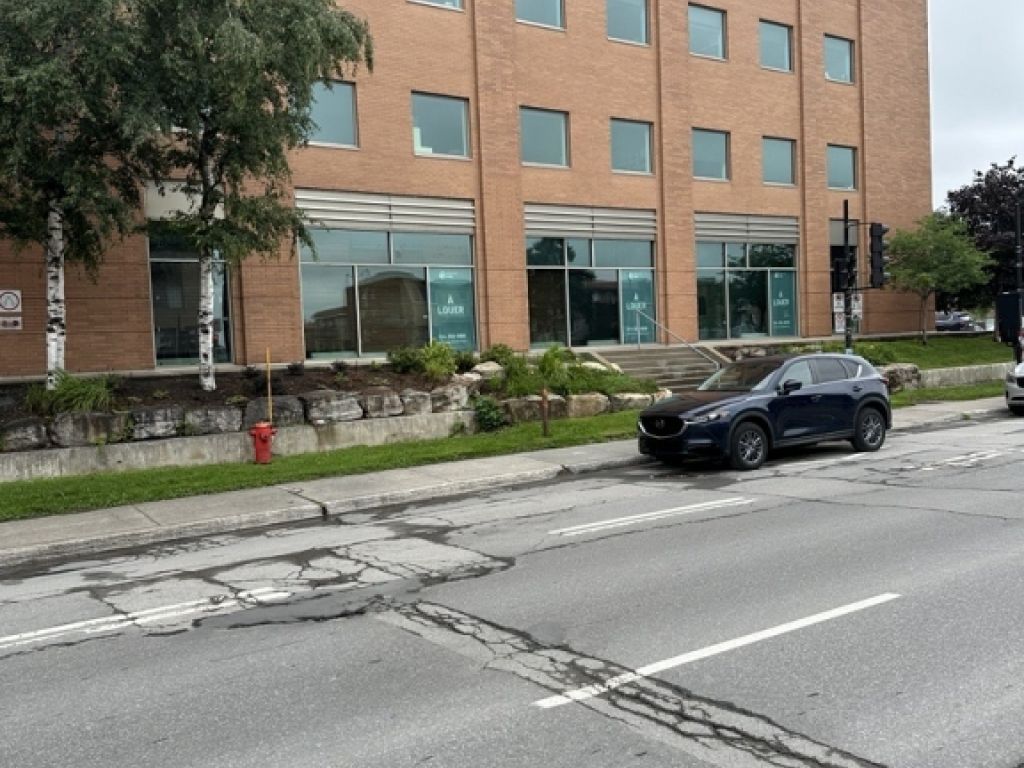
(831, 610)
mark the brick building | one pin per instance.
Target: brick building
(538, 171)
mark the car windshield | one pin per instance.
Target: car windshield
(743, 376)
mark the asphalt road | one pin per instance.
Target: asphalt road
(831, 609)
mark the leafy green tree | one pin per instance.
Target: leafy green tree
(938, 256)
(77, 134)
(236, 81)
(988, 206)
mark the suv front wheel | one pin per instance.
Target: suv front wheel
(870, 432)
(749, 446)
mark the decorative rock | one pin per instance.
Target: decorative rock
(379, 402)
(328, 407)
(520, 409)
(77, 428)
(454, 397)
(901, 376)
(489, 370)
(661, 394)
(577, 406)
(471, 381)
(593, 365)
(24, 435)
(156, 421)
(212, 420)
(288, 411)
(416, 402)
(629, 401)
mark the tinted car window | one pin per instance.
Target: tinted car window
(799, 371)
(830, 369)
(741, 377)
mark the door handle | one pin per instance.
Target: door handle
(815, 398)
(857, 387)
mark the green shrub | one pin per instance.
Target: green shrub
(502, 354)
(876, 354)
(406, 360)
(39, 400)
(72, 394)
(580, 380)
(489, 414)
(551, 367)
(464, 361)
(521, 379)
(438, 361)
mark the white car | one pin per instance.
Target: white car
(1014, 390)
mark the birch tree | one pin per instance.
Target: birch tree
(236, 80)
(76, 137)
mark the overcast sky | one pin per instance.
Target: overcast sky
(977, 77)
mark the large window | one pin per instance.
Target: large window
(368, 292)
(627, 20)
(776, 46)
(174, 281)
(549, 13)
(746, 290)
(842, 167)
(440, 125)
(778, 161)
(710, 154)
(334, 112)
(544, 136)
(584, 291)
(707, 31)
(631, 146)
(838, 59)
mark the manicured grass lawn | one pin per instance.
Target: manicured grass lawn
(947, 351)
(36, 498)
(949, 394)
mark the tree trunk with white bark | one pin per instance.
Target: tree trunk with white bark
(56, 317)
(206, 370)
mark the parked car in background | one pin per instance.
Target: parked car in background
(1014, 390)
(956, 321)
(752, 406)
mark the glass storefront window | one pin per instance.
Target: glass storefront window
(329, 310)
(623, 253)
(748, 303)
(577, 253)
(783, 295)
(593, 306)
(736, 254)
(711, 308)
(709, 255)
(346, 246)
(545, 251)
(419, 248)
(637, 297)
(546, 291)
(452, 307)
(392, 308)
(773, 255)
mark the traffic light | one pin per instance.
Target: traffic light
(840, 270)
(879, 260)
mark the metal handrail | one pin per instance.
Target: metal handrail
(698, 350)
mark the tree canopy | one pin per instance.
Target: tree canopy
(938, 256)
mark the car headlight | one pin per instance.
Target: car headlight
(707, 417)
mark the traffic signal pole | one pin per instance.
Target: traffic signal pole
(851, 278)
(1017, 351)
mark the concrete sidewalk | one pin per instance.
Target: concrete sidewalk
(83, 533)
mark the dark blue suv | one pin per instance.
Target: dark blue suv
(754, 405)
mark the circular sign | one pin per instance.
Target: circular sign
(10, 301)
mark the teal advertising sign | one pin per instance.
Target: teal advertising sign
(783, 294)
(637, 297)
(451, 307)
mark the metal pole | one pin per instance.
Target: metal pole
(851, 276)
(1017, 351)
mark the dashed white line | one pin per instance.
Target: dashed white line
(619, 522)
(590, 691)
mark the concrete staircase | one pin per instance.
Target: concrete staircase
(675, 367)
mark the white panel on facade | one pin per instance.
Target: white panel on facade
(355, 210)
(600, 223)
(743, 228)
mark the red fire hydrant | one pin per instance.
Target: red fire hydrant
(262, 440)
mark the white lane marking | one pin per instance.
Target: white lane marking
(581, 694)
(618, 522)
(965, 461)
(801, 465)
(147, 616)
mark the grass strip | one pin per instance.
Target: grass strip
(947, 394)
(946, 351)
(22, 499)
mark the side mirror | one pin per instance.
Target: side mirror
(790, 385)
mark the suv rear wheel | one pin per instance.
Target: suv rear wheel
(870, 432)
(748, 447)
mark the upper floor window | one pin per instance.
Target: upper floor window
(777, 161)
(440, 125)
(838, 59)
(445, 3)
(549, 13)
(631, 146)
(544, 136)
(710, 154)
(707, 31)
(627, 20)
(842, 167)
(333, 111)
(776, 46)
